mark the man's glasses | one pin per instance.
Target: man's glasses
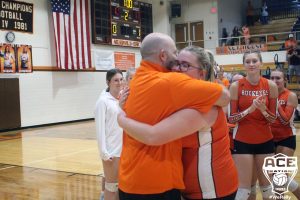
(275, 78)
(184, 66)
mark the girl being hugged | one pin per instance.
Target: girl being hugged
(253, 107)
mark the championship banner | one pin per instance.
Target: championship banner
(16, 16)
(239, 49)
(15, 58)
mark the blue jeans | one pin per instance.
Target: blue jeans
(264, 19)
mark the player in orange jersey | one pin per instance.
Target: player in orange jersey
(252, 196)
(206, 155)
(283, 129)
(253, 107)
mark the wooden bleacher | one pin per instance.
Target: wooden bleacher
(293, 86)
(274, 26)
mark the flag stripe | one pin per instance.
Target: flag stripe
(62, 41)
(56, 38)
(73, 40)
(88, 35)
(70, 44)
(82, 35)
(76, 36)
(72, 34)
(79, 25)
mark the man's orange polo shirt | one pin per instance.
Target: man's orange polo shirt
(154, 95)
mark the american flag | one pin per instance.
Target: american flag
(72, 34)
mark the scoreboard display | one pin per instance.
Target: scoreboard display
(120, 22)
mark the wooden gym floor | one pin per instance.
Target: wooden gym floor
(55, 162)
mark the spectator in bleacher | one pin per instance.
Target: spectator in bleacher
(250, 14)
(293, 58)
(267, 73)
(224, 37)
(264, 14)
(271, 38)
(235, 33)
(246, 34)
(290, 43)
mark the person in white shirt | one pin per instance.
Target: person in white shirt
(109, 134)
(264, 13)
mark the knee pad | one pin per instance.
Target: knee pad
(111, 187)
(242, 194)
(253, 190)
(266, 191)
(293, 185)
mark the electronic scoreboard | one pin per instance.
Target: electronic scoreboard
(120, 22)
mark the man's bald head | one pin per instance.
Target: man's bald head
(237, 77)
(153, 43)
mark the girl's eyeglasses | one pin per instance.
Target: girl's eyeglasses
(184, 66)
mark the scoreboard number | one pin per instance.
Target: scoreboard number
(120, 22)
(128, 3)
(114, 28)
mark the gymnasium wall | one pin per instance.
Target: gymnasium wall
(194, 11)
(51, 96)
(229, 19)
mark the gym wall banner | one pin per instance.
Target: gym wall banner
(15, 58)
(240, 49)
(16, 16)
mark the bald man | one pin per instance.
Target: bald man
(237, 77)
(156, 172)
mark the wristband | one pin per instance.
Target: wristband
(246, 112)
(265, 114)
